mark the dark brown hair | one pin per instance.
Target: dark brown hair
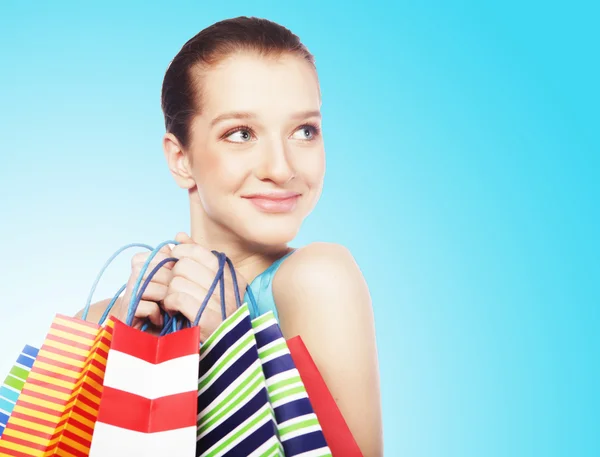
(181, 96)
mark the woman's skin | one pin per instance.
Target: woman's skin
(254, 170)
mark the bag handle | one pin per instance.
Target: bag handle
(218, 279)
(136, 287)
(88, 302)
(171, 323)
(223, 259)
(131, 311)
(236, 288)
(111, 305)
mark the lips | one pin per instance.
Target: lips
(274, 202)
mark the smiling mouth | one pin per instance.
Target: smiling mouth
(283, 202)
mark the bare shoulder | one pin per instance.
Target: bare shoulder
(319, 257)
(321, 296)
(96, 311)
(320, 275)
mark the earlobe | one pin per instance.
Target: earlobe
(178, 162)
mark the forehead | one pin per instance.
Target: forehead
(260, 84)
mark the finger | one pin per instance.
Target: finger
(183, 238)
(150, 310)
(186, 304)
(166, 249)
(192, 288)
(196, 252)
(139, 260)
(194, 272)
(162, 276)
(214, 305)
(155, 292)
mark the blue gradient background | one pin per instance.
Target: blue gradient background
(463, 170)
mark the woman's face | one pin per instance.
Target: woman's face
(256, 150)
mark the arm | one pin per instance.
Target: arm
(322, 296)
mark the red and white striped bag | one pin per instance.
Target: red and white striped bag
(148, 405)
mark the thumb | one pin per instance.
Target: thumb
(183, 238)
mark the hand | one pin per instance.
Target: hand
(154, 293)
(192, 277)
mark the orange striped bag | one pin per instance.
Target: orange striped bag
(58, 406)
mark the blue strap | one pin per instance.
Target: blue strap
(138, 299)
(88, 303)
(260, 290)
(111, 304)
(171, 323)
(218, 278)
(134, 292)
(236, 287)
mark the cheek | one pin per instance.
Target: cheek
(311, 166)
(218, 172)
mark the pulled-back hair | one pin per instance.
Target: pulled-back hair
(181, 97)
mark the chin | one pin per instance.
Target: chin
(272, 233)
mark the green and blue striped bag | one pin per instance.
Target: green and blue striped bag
(235, 417)
(297, 424)
(14, 382)
(251, 399)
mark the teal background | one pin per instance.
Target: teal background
(463, 173)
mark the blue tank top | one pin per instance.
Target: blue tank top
(259, 294)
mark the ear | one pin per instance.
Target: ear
(178, 162)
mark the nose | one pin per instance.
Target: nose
(274, 163)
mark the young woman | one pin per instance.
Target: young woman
(241, 102)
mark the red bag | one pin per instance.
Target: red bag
(337, 433)
(149, 398)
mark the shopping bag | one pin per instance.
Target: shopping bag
(235, 417)
(336, 431)
(148, 403)
(298, 425)
(234, 413)
(39, 409)
(73, 435)
(56, 411)
(149, 394)
(14, 382)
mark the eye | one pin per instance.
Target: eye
(306, 132)
(239, 135)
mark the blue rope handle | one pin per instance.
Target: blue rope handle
(111, 304)
(223, 259)
(236, 287)
(88, 303)
(134, 292)
(171, 323)
(168, 322)
(218, 279)
(175, 325)
(138, 298)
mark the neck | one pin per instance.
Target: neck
(249, 259)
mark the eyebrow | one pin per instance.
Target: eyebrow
(249, 115)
